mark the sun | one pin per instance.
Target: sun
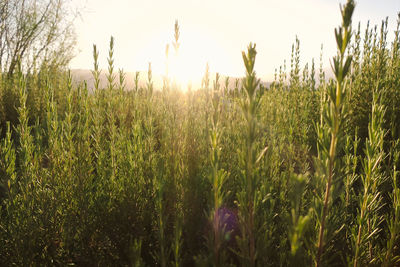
(187, 58)
(186, 65)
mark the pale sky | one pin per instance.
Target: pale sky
(216, 31)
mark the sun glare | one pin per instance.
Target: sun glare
(186, 66)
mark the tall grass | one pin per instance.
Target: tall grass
(330, 132)
(303, 171)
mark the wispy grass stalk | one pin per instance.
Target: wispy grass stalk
(246, 198)
(393, 219)
(136, 81)
(217, 179)
(371, 200)
(331, 128)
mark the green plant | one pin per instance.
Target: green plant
(330, 132)
(246, 198)
(371, 200)
(95, 174)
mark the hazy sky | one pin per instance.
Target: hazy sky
(216, 31)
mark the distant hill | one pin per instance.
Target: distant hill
(81, 75)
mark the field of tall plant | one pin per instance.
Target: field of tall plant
(302, 172)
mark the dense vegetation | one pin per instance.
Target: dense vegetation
(303, 172)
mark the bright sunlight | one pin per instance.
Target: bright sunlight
(185, 56)
(185, 66)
